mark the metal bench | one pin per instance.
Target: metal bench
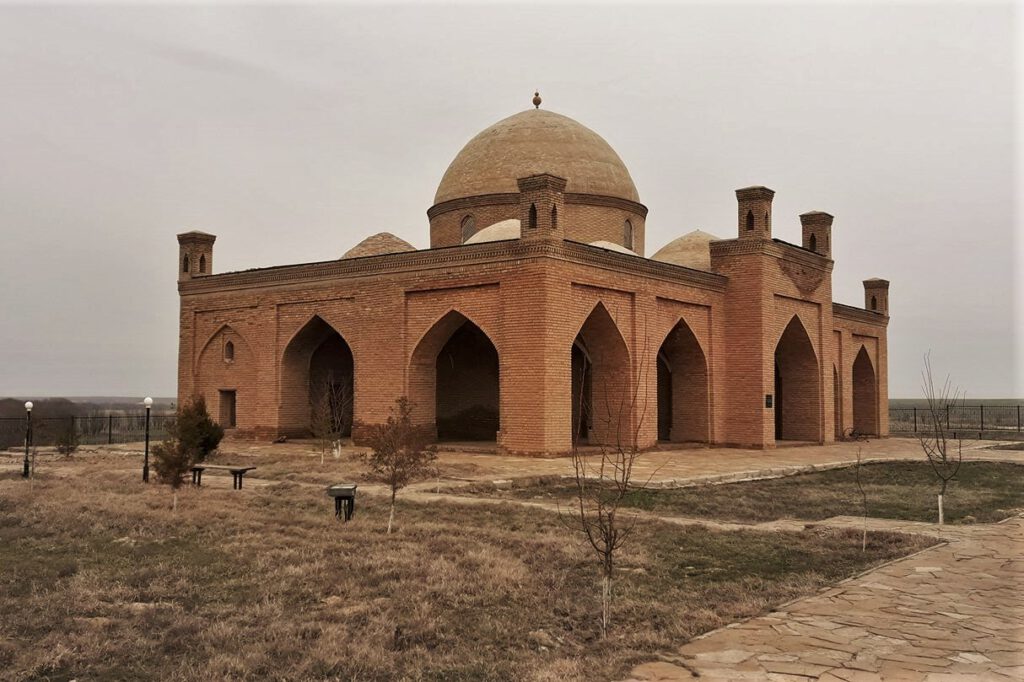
(343, 494)
(237, 472)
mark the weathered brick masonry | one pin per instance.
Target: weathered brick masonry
(528, 340)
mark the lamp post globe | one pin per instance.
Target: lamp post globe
(148, 402)
(26, 469)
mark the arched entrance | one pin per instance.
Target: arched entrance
(601, 396)
(317, 378)
(797, 403)
(682, 387)
(454, 380)
(865, 395)
(582, 393)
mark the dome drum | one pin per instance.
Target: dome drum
(600, 202)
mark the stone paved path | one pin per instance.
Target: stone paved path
(954, 612)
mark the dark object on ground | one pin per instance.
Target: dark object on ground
(343, 494)
(281, 439)
(237, 472)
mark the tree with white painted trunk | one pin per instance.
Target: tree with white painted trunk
(400, 451)
(944, 453)
(604, 479)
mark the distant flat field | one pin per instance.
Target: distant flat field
(968, 401)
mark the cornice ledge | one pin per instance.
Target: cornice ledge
(849, 312)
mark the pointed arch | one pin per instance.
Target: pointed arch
(813, 243)
(554, 217)
(454, 379)
(865, 394)
(185, 265)
(683, 391)
(227, 383)
(797, 398)
(750, 220)
(317, 364)
(533, 216)
(202, 264)
(605, 375)
(225, 330)
(767, 221)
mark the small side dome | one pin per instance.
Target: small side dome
(692, 250)
(506, 229)
(378, 245)
(610, 246)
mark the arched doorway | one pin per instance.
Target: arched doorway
(682, 387)
(454, 380)
(797, 403)
(317, 379)
(601, 396)
(865, 395)
(582, 393)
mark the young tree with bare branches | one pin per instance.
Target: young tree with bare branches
(330, 410)
(603, 480)
(400, 451)
(944, 456)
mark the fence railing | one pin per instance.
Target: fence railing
(957, 418)
(94, 430)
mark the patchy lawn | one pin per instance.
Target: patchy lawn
(983, 492)
(100, 580)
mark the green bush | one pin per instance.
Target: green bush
(194, 430)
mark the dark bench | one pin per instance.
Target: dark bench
(237, 472)
(343, 494)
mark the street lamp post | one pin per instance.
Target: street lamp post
(148, 402)
(28, 437)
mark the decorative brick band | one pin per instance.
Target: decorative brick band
(512, 198)
(464, 255)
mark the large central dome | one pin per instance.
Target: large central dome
(531, 142)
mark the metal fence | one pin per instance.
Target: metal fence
(953, 417)
(94, 430)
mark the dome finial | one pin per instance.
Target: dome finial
(536, 99)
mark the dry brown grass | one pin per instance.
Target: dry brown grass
(99, 580)
(982, 492)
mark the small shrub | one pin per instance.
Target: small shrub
(172, 460)
(196, 432)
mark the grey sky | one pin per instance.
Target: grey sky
(293, 132)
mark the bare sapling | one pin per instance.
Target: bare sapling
(330, 407)
(603, 480)
(945, 454)
(400, 452)
(864, 505)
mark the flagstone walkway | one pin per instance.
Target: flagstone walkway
(953, 612)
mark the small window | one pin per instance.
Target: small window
(874, 303)
(627, 235)
(767, 221)
(185, 264)
(813, 243)
(468, 228)
(202, 264)
(554, 217)
(750, 220)
(533, 216)
(229, 351)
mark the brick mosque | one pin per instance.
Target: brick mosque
(535, 320)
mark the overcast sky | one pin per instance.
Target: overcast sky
(293, 132)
